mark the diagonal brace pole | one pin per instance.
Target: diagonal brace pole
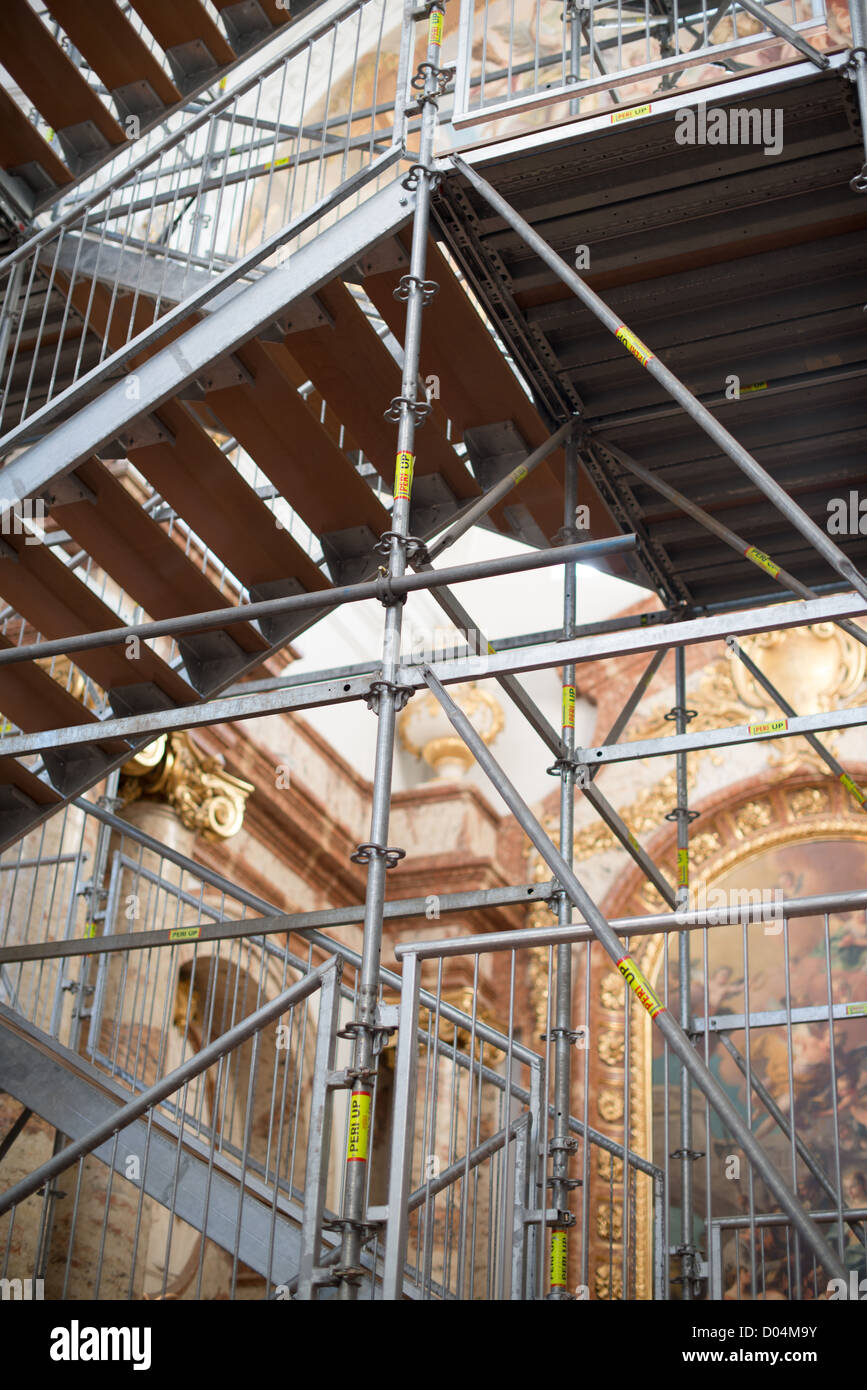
(818, 747)
(623, 718)
(670, 1029)
(761, 479)
(495, 494)
(725, 534)
(777, 1115)
(784, 31)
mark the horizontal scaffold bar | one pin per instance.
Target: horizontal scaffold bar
(386, 589)
(764, 911)
(722, 738)
(316, 693)
(311, 923)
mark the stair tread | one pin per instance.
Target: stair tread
(58, 604)
(138, 554)
(21, 143)
(183, 21)
(42, 70)
(112, 47)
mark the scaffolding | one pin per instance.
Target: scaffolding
(257, 256)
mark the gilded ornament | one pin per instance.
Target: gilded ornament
(608, 1282)
(611, 991)
(425, 731)
(609, 1166)
(809, 801)
(609, 1220)
(610, 1104)
(609, 1046)
(207, 799)
(752, 817)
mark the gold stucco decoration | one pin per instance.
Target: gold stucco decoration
(207, 799)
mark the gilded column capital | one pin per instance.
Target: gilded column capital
(206, 798)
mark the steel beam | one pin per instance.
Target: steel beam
(561, 1033)
(790, 909)
(716, 627)
(688, 1263)
(408, 413)
(225, 709)
(274, 923)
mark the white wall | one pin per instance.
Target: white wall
(502, 607)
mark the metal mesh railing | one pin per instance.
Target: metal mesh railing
(171, 1211)
(585, 55)
(203, 204)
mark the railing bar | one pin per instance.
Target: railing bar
(791, 1083)
(834, 1096)
(749, 1100)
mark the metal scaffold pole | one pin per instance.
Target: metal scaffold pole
(562, 1143)
(664, 1020)
(644, 355)
(683, 816)
(858, 69)
(387, 697)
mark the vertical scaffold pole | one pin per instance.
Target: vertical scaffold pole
(667, 1025)
(563, 1143)
(683, 817)
(387, 698)
(858, 68)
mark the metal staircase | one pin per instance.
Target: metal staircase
(100, 75)
(201, 367)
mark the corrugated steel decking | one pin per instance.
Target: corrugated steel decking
(727, 262)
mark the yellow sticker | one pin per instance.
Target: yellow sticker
(855, 1010)
(185, 933)
(559, 1259)
(636, 981)
(756, 386)
(683, 868)
(403, 466)
(90, 929)
(568, 707)
(853, 788)
(764, 561)
(435, 32)
(776, 726)
(519, 473)
(491, 649)
(359, 1127)
(634, 345)
(630, 115)
(632, 840)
